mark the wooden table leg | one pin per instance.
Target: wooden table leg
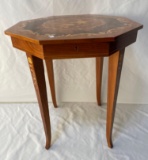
(37, 71)
(49, 66)
(114, 72)
(99, 68)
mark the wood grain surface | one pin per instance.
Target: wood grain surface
(73, 27)
(50, 71)
(114, 72)
(37, 72)
(99, 70)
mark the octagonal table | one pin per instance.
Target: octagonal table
(75, 36)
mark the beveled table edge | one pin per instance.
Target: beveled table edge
(73, 40)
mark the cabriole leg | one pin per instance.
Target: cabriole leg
(37, 72)
(114, 72)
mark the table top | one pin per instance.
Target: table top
(72, 27)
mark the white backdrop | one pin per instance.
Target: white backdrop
(75, 78)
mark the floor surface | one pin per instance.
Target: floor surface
(78, 132)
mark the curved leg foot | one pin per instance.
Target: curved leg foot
(48, 143)
(109, 142)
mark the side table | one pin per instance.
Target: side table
(75, 36)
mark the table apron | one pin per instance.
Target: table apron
(75, 50)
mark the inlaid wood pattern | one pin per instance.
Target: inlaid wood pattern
(49, 29)
(37, 72)
(75, 36)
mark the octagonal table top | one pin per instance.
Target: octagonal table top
(72, 27)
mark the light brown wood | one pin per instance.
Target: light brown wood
(99, 69)
(34, 49)
(114, 72)
(37, 72)
(50, 71)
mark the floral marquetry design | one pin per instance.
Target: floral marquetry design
(73, 27)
